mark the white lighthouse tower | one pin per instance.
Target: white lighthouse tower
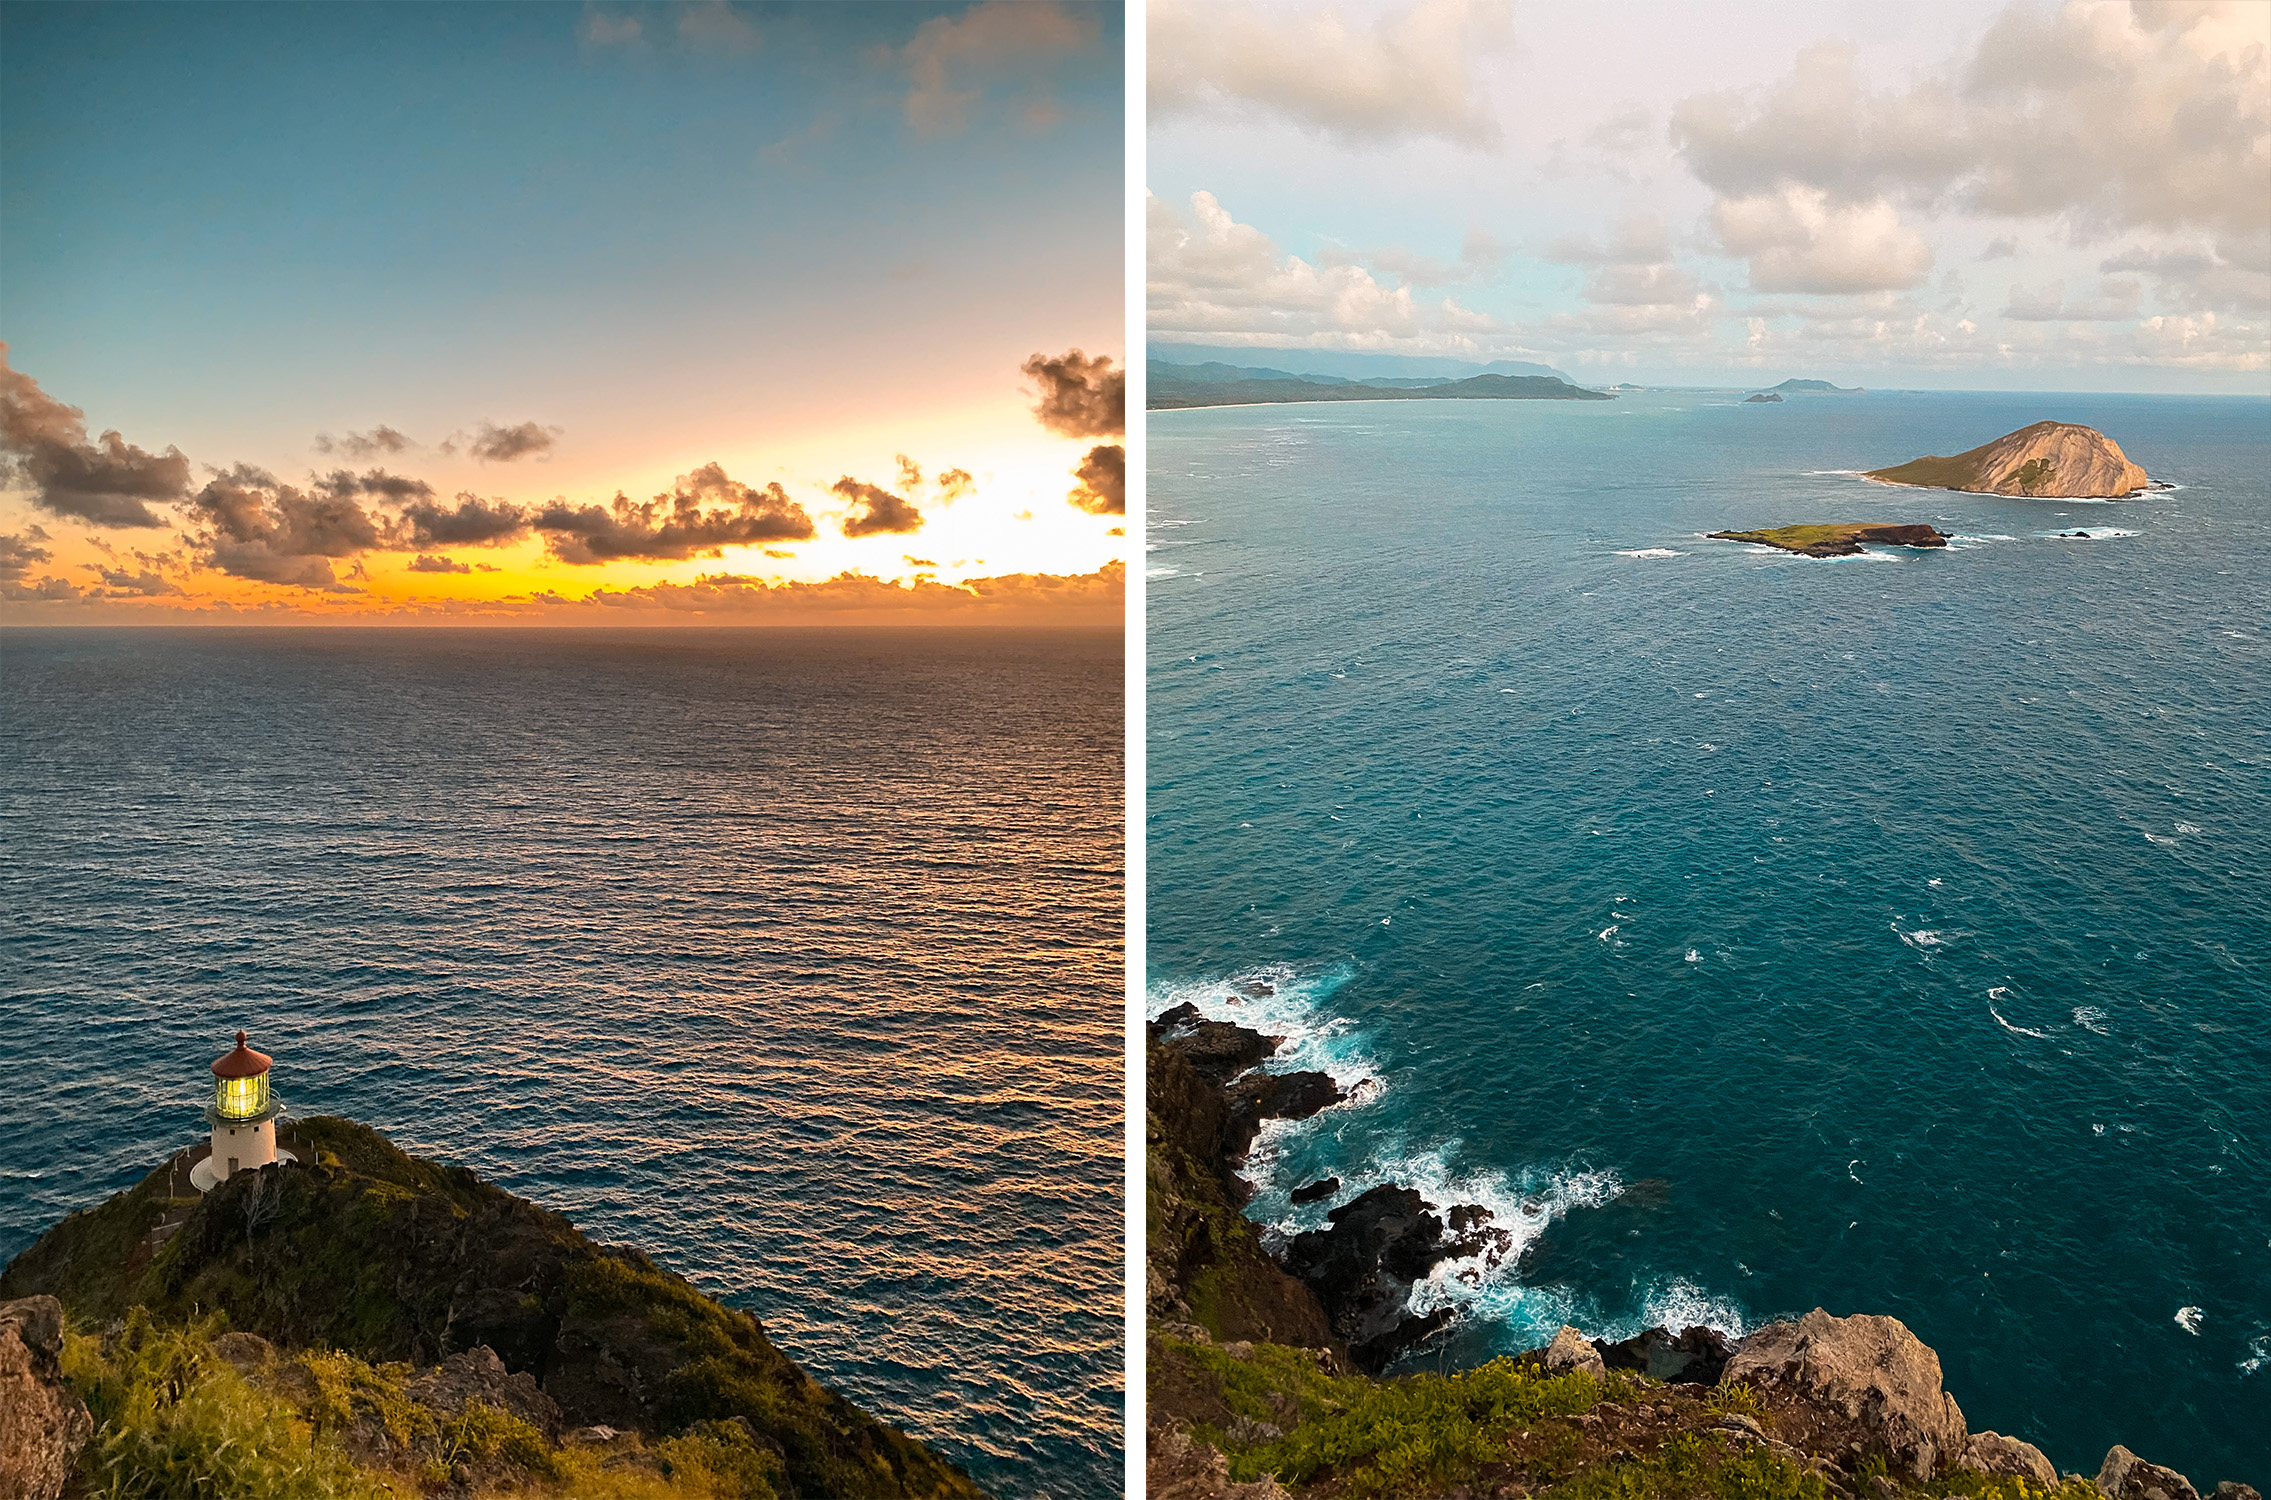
(243, 1116)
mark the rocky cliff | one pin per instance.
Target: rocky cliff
(1263, 1372)
(362, 1250)
(2049, 458)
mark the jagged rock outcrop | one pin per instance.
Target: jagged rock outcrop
(1695, 1356)
(1864, 1379)
(1217, 1051)
(2125, 1476)
(1363, 1264)
(2050, 458)
(43, 1425)
(1571, 1350)
(1993, 1453)
(1205, 1266)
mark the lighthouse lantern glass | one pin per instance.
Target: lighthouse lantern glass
(240, 1098)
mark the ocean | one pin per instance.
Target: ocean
(1751, 933)
(791, 957)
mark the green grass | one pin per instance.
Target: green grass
(1388, 1437)
(175, 1422)
(1693, 1467)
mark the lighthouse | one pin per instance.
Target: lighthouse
(243, 1115)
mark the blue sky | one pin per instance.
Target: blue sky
(797, 239)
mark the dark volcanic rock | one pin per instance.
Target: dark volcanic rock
(1323, 1188)
(1363, 1266)
(1695, 1357)
(1217, 1050)
(1205, 1263)
(1271, 1096)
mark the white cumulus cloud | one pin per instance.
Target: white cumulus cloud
(1407, 75)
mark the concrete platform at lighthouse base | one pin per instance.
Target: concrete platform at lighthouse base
(205, 1177)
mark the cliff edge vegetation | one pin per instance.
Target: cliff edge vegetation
(375, 1323)
(1266, 1365)
(2060, 459)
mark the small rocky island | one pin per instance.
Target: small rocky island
(1761, 397)
(378, 1324)
(1266, 1363)
(2062, 459)
(1838, 538)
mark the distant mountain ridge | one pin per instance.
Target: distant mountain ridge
(1345, 364)
(1262, 387)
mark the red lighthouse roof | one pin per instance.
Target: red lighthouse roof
(242, 1063)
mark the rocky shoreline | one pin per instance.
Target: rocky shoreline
(1249, 1350)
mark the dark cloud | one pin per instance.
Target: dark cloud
(342, 484)
(146, 584)
(1103, 476)
(19, 554)
(501, 445)
(271, 532)
(474, 523)
(953, 485)
(380, 439)
(876, 511)
(110, 482)
(425, 564)
(1080, 397)
(703, 513)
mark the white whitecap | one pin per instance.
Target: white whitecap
(1693, 957)
(2188, 1319)
(1651, 552)
(2089, 1018)
(2040, 1036)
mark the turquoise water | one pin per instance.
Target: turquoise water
(1889, 934)
(791, 957)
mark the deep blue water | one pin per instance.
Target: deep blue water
(1754, 933)
(791, 957)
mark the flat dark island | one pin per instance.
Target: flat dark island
(1838, 538)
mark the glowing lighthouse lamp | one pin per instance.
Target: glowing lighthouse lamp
(243, 1116)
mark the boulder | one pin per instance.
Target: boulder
(1696, 1356)
(1863, 1380)
(2125, 1476)
(2233, 1490)
(1993, 1453)
(43, 1424)
(248, 1352)
(1323, 1188)
(479, 1375)
(1179, 1467)
(1571, 1350)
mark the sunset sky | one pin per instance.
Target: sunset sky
(416, 291)
(2020, 194)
